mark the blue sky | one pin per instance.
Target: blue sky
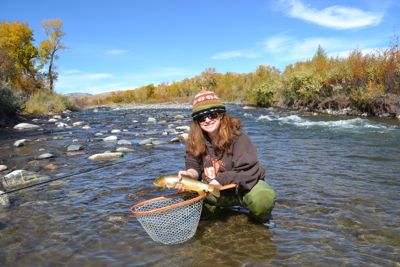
(118, 45)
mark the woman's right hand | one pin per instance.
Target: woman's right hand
(188, 173)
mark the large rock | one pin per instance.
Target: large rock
(21, 178)
(25, 126)
(106, 156)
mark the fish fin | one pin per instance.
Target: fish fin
(214, 190)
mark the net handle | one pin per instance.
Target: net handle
(186, 202)
(228, 186)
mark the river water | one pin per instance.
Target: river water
(337, 181)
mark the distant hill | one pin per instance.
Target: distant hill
(78, 95)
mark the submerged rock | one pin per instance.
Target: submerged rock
(25, 126)
(21, 178)
(19, 143)
(124, 149)
(46, 156)
(74, 148)
(124, 142)
(106, 156)
(4, 201)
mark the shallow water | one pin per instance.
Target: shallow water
(337, 181)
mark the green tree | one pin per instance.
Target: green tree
(48, 48)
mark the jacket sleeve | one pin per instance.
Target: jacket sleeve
(246, 169)
(193, 163)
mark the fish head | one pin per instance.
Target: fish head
(166, 181)
(160, 182)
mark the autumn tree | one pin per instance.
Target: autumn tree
(49, 48)
(18, 55)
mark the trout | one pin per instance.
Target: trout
(190, 184)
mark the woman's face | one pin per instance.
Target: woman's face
(210, 123)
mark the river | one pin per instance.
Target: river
(337, 181)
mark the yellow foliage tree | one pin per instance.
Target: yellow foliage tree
(48, 48)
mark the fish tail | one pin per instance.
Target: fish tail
(214, 190)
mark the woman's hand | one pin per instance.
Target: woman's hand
(188, 173)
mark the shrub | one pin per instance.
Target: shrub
(45, 101)
(10, 105)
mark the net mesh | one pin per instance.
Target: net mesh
(173, 225)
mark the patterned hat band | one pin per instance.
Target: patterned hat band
(200, 113)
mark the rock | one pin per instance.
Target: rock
(51, 167)
(184, 137)
(3, 168)
(124, 149)
(62, 125)
(115, 131)
(19, 143)
(183, 128)
(86, 127)
(124, 142)
(147, 141)
(110, 138)
(78, 123)
(106, 156)
(52, 120)
(21, 178)
(248, 107)
(46, 156)
(4, 201)
(25, 126)
(57, 117)
(151, 120)
(74, 148)
(179, 117)
(157, 142)
(175, 140)
(98, 134)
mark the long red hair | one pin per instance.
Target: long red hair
(229, 128)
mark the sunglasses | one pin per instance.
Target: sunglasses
(210, 116)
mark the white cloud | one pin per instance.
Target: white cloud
(74, 80)
(337, 17)
(116, 51)
(234, 54)
(282, 49)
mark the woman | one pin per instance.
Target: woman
(218, 152)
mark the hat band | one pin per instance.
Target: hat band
(197, 114)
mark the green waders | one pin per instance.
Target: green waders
(260, 201)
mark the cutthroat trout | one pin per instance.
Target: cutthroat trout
(169, 181)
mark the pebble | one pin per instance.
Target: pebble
(3, 168)
(86, 127)
(115, 131)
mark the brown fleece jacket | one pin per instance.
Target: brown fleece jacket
(240, 167)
